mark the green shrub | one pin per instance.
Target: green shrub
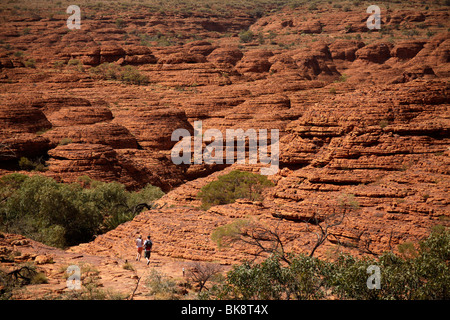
(423, 275)
(342, 78)
(270, 280)
(131, 75)
(313, 7)
(61, 214)
(29, 165)
(26, 164)
(20, 276)
(234, 185)
(411, 33)
(65, 141)
(58, 64)
(30, 63)
(230, 230)
(112, 71)
(120, 23)
(39, 278)
(246, 36)
(161, 287)
(74, 62)
(383, 123)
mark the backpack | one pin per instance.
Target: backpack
(148, 245)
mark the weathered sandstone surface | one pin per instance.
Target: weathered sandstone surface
(362, 117)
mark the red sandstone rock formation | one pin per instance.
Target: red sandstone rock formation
(362, 116)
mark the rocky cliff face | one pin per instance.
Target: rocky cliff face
(360, 114)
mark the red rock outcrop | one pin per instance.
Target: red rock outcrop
(362, 117)
(225, 55)
(378, 52)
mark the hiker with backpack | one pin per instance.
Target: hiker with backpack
(148, 249)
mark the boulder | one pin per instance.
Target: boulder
(377, 52)
(228, 55)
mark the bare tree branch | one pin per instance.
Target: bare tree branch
(6, 152)
(332, 220)
(201, 273)
(255, 235)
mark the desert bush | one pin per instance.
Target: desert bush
(65, 141)
(58, 64)
(312, 7)
(228, 231)
(111, 71)
(29, 165)
(120, 23)
(246, 36)
(61, 214)
(17, 278)
(271, 280)
(423, 275)
(383, 123)
(128, 266)
(26, 164)
(131, 75)
(74, 62)
(411, 33)
(30, 63)
(342, 78)
(200, 273)
(161, 287)
(234, 185)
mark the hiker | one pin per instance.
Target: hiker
(148, 249)
(140, 247)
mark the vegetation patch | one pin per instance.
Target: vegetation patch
(60, 214)
(232, 186)
(112, 71)
(422, 274)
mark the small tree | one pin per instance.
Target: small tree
(234, 185)
(60, 214)
(346, 204)
(246, 36)
(273, 280)
(252, 234)
(200, 273)
(424, 275)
